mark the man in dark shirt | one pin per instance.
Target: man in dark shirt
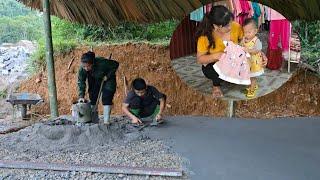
(95, 69)
(143, 101)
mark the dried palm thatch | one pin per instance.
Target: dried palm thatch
(100, 12)
(296, 9)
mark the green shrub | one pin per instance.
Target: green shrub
(20, 27)
(309, 33)
(18, 22)
(163, 30)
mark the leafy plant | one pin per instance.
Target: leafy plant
(18, 22)
(309, 33)
(20, 27)
(12, 8)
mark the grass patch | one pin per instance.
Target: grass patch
(67, 36)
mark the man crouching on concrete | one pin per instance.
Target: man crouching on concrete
(96, 70)
(144, 102)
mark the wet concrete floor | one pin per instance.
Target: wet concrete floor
(228, 149)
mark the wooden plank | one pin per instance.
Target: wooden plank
(13, 129)
(110, 169)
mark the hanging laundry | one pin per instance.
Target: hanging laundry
(257, 12)
(279, 34)
(197, 15)
(278, 39)
(275, 15)
(295, 49)
(251, 12)
(230, 3)
(275, 58)
(243, 10)
(261, 18)
(237, 10)
(266, 13)
(245, 6)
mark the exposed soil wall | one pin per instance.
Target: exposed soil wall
(300, 96)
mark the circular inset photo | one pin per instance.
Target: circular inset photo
(235, 51)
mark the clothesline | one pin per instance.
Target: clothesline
(242, 9)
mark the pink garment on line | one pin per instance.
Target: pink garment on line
(237, 7)
(233, 65)
(244, 10)
(245, 6)
(274, 15)
(279, 34)
(251, 12)
(231, 5)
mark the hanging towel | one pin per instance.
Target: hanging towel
(245, 10)
(231, 5)
(262, 17)
(197, 15)
(257, 12)
(266, 13)
(279, 34)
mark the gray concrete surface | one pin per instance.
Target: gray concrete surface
(282, 149)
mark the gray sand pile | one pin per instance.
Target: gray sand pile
(119, 144)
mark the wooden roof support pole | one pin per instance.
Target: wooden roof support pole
(231, 109)
(49, 59)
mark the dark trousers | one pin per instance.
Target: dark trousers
(144, 110)
(94, 87)
(211, 74)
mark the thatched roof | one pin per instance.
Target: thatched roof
(101, 12)
(295, 9)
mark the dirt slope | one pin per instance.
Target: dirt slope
(300, 96)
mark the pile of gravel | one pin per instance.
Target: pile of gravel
(120, 144)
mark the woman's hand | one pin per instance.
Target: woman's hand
(204, 58)
(218, 56)
(246, 49)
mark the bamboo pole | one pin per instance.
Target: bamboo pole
(110, 169)
(49, 59)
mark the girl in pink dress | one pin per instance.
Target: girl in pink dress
(233, 65)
